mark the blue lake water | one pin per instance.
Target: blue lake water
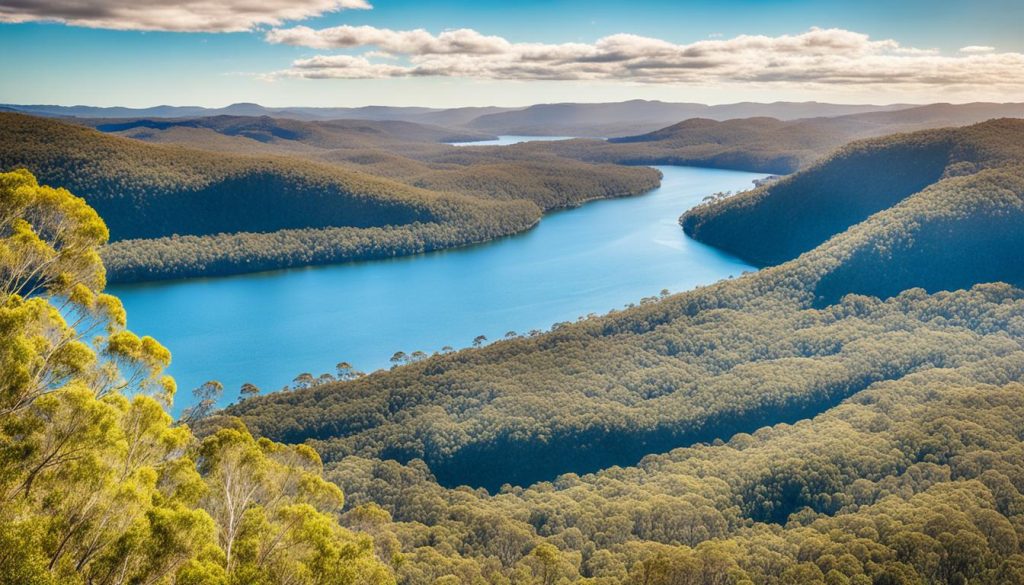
(511, 139)
(266, 328)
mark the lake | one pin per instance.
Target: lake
(511, 139)
(267, 328)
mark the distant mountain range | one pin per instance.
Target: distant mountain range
(637, 116)
(566, 119)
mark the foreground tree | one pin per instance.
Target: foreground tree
(97, 483)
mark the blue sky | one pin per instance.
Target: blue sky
(88, 63)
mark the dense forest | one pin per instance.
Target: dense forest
(811, 423)
(828, 436)
(227, 194)
(458, 411)
(98, 485)
(178, 211)
(781, 220)
(767, 144)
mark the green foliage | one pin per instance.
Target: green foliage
(827, 437)
(784, 219)
(97, 484)
(257, 194)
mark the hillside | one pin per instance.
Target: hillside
(769, 144)
(177, 211)
(916, 477)
(780, 221)
(609, 390)
(635, 116)
(408, 114)
(321, 134)
(586, 119)
(825, 436)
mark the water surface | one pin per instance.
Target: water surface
(511, 139)
(266, 328)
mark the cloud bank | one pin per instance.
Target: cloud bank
(180, 16)
(826, 57)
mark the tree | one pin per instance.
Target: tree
(97, 482)
(345, 372)
(248, 390)
(303, 380)
(479, 340)
(206, 397)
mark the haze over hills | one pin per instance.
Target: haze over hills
(567, 119)
(327, 134)
(409, 114)
(632, 117)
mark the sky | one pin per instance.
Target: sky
(474, 53)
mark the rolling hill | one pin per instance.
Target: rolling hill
(635, 116)
(788, 426)
(768, 144)
(175, 211)
(608, 390)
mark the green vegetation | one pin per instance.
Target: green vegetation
(823, 421)
(575, 400)
(176, 212)
(97, 483)
(781, 220)
(767, 144)
(911, 472)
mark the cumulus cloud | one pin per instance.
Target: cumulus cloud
(180, 16)
(977, 49)
(815, 57)
(418, 42)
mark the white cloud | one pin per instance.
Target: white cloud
(818, 57)
(977, 49)
(418, 42)
(180, 16)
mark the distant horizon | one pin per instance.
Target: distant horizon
(492, 105)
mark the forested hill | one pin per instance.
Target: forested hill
(146, 191)
(321, 134)
(782, 220)
(917, 477)
(705, 364)
(175, 211)
(631, 117)
(768, 144)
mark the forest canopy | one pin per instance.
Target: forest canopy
(256, 194)
(835, 427)
(98, 484)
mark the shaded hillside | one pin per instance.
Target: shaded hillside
(146, 190)
(231, 204)
(406, 152)
(724, 359)
(323, 134)
(777, 222)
